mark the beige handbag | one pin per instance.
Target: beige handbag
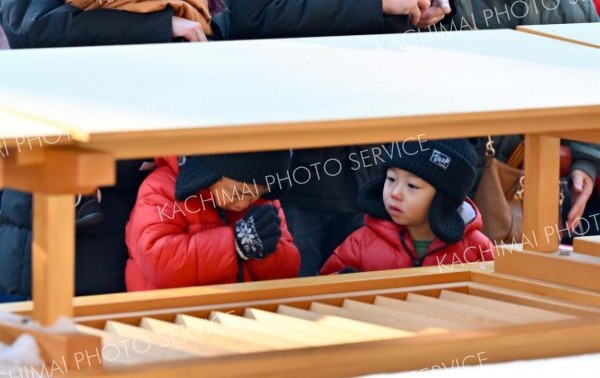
(499, 196)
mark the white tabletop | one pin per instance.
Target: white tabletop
(119, 89)
(23, 131)
(587, 34)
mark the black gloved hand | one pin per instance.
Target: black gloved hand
(257, 233)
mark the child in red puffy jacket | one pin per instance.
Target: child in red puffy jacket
(210, 219)
(418, 213)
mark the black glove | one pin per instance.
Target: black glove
(257, 233)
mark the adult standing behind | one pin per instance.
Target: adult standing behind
(302, 18)
(52, 23)
(497, 14)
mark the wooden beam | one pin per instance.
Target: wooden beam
(344, 132)
(53, 255)
(540, 201)
(590, 136)
(59, 170)
(588, 245)
(575, 269)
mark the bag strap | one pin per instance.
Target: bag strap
(517, 157)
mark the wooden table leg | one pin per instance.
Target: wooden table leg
(540, 201)
(53, 257)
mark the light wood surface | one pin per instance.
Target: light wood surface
(534, 300)
(202, 336)
(541, 197)
(53, 256)
(428, 312)
(588, 245)
(119, 351)
(482, 320)
(518, 310)
(310, 328)
(587, 34)
(583, 270)
(240, 335)
(165, 340)
(373, 331)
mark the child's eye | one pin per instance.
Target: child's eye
(391, 179)
(413, 186)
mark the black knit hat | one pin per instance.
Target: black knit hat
(200, 172)
(448, 165)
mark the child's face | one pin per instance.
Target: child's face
(407, 198)
(235, 195)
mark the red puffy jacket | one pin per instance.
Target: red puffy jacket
(382, 244)
(183, 243)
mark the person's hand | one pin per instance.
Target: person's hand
(582, 189)
(190, 30)
(414, 8)
(257, 233)
(443, 4)
(435, 13)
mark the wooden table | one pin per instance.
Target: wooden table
(587, 34)
(138, 101)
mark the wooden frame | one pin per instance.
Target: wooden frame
(53, 257)
(570, 326)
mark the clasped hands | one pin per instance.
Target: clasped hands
(423, 13)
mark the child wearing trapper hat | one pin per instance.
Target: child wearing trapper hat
(209, 220)
(417, 213)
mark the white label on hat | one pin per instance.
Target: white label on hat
(440, 159)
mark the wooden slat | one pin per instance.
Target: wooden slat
(369, 330)
(583, 270)
(543, 288)
(528, 299)
(509, 308)
(468, 310)
(361, 316)
(129, 331)
(239, 334)
(468, 320)
(238, 322)
(415, 322)
(532, 341)
(588, 245)
(317, 331)
(120, 351)
(201, 336)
